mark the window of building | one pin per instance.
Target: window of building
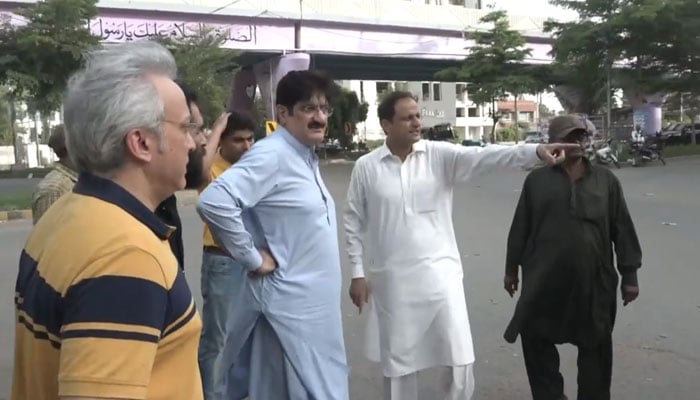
(382, 87)
(473, 112)
(426, 91)
(460, 112)
(436, 92)
(459, 89)
(457, 2)
(362, 91)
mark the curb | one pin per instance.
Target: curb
(15, 215)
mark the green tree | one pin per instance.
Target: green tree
(647, 42)
(6, 136)
(38, 57)
(53, 43)
(206, 66)
(348, 111)
(584, 51)
(494, 67)
(13, 74)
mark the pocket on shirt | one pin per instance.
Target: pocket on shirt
(592, 206)
(424, 201)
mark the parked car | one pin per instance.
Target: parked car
(475, 143)
(535, 137)
(440, 132)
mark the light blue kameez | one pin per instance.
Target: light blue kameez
(285, 337)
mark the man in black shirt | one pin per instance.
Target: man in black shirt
(570, 226)
(198, 168)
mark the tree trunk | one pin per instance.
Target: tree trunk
(36, 140)
(494, 117)
(13, 128)
(517, 127)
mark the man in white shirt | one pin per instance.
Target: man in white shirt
(399, 216)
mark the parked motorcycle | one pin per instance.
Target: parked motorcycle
(603, 153)
(606, 154)
(651, 149)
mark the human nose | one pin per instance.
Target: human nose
(199, 138)
(189, 142)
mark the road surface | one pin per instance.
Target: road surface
(657, 350)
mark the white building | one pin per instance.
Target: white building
(440, 103)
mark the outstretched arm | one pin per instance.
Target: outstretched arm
(465, 162)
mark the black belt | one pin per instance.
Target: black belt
(215, 250)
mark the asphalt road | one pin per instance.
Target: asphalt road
(11, 185)
(657, 350)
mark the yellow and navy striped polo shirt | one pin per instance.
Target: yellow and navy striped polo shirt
(102, 309)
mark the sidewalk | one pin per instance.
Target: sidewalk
(15, 214)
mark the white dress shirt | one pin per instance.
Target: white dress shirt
(400, 236)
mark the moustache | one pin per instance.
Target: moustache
(316, 125)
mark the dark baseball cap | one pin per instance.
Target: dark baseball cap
(562, 125)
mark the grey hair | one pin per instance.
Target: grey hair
(110, 97)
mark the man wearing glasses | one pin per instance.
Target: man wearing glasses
(198, 166)
(565, 225)
(272, 212)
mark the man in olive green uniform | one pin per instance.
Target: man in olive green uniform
(565, 225)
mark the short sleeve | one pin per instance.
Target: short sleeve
(111, 327)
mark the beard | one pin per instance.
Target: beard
(195, 168)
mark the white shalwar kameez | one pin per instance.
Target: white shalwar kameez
(399, 218)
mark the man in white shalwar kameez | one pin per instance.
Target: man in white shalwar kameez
(399, 217)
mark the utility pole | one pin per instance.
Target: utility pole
(297, 27)
(608, 96)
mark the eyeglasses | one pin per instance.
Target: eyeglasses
(312, 109)
(577, 136)
(189, 127)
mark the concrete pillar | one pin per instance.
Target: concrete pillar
(647, 110)
(243, 87)
(269, 72)
(264, 75)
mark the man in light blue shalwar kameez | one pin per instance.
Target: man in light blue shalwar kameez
(284, 336)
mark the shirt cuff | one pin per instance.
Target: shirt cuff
(533, 148)
(358, 271)
(252, 260)
(630, 279)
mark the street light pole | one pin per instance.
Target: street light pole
(608, 122)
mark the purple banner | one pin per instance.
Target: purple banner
(364, 40)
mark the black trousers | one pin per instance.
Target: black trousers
(546, 382)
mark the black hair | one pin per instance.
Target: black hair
(298, 86)
(238, 121)
(190, 95)
(387, 108)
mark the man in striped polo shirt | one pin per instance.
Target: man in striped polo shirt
(102, 309)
